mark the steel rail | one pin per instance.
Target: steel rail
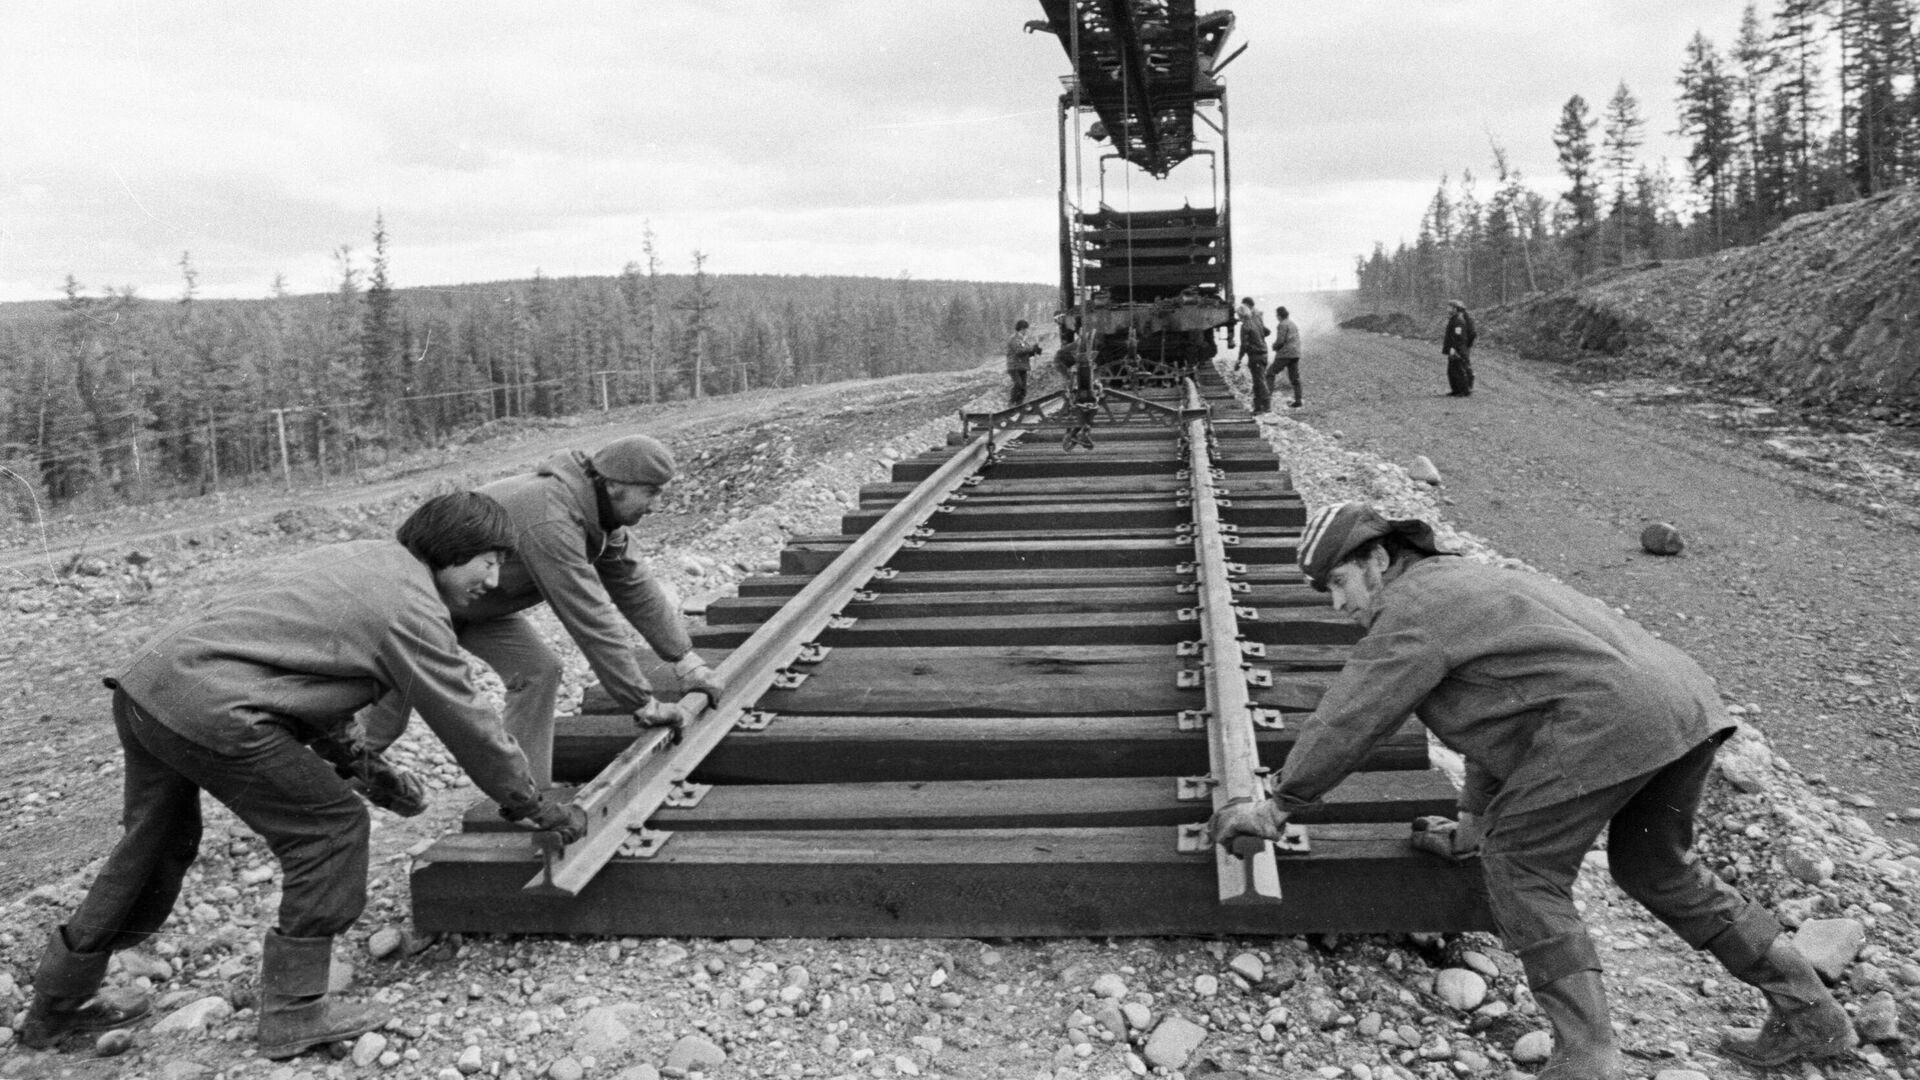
(1248, 873)
(648, 772)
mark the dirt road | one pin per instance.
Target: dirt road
(1807, 610)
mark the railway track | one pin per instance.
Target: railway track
(1000, 702)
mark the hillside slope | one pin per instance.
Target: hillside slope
(1823, 311)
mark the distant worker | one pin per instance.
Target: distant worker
(1021, 349)
(1286, 354)
(1572, 720)
(250, 700)
(1253, 350)
(1067, 355)
(574, 550)
(1456, 344)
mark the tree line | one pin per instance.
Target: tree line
(1770, 133)
(110, 397)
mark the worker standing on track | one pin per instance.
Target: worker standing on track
(1572, 720)
(1286, 355)
(1021, 349)
(1456, 344)
(573, 548)
(1253, 350)
(250, 700)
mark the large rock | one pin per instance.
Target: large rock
(1533, 1047)
(1422, 471)
(1661, 538)
(1173, 1042)
(1830, 944)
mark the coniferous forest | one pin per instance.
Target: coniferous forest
(107, 397)
(1812, 105)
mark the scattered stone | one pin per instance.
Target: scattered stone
(566, 1069)
(1533, 1047)
(1680, 1074)
(368, 1048)
(139, 964)
(1879, 1019)
(113, 1043)
(694, 1052)
(1249, 967)
(1173, 1042)
(740, 944)
(1206, 985)
(603, 1033)
(185, 1070)
(905, 1066)
(1461, 989)
(638, 1072)
(1480, 962)
(1661, 538)
(1423, 472)
(471, 1061)
(1110, 986)
(386, 942)
(1830, 944)
(1810, 867)
(1138, 1015)
(195, 1017)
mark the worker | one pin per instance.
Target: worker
(1021, 349)
(574, 549)
(1571, 719)
(250, 700)
(1456, 344)
(1253, 350)
(1286, 355)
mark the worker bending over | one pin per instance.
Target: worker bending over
(574, 550)
(251, 700)
(1571, 719)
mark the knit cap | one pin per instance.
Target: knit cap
(634, 459)
(1335, 532)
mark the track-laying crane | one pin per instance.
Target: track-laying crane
(1143, 288)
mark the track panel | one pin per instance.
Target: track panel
(990, 738)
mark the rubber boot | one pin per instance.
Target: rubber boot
(296, 1013)
(65, 1001)
(1804, 1023)
(1583, 1044)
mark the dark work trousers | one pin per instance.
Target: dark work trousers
(1531, 859)
(1257, 369)
(1290, 365)
(1459, 373)
(1017, 393)
(313, 822)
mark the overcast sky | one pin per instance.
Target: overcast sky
(808, 136)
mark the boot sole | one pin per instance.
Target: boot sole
(283, 1051)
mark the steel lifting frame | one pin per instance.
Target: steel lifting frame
(628, 792)
(1248, 873)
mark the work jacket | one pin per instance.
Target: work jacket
(1286, 340)
(305, 647)
(1547, 693)
(1021, 349)
(593, 579)
(1253, 332)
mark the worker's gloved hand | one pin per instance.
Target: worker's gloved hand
(697, 678)
(657, 713)
(1260, 819)
(1448, 839)
(565, 820)
(391, 787)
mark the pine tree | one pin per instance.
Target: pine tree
(1621, 133)
(1573, 145)
(699, 305)
(382, 382)
(1707, 120)
(1798, 38)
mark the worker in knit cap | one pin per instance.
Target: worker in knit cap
(1572, 718)
(573, 550)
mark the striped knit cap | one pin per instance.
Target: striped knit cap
(1335, 532)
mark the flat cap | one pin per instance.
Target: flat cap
(634, 459)
(1335, 532)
